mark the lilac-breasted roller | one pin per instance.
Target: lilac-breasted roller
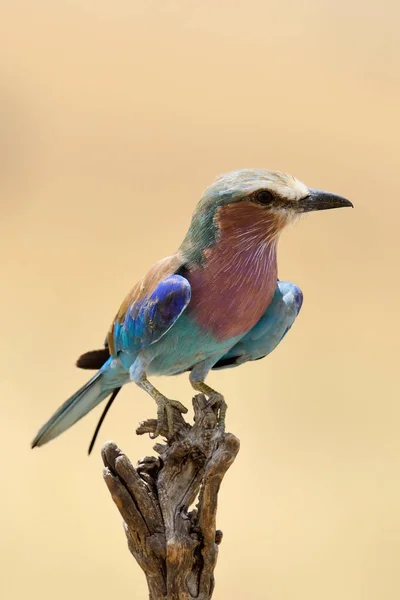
(215, 303)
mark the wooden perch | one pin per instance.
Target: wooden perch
(176, 547)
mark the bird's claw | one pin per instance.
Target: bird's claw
(217, 401)
(165, 410)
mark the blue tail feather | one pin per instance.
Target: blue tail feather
(76, 407)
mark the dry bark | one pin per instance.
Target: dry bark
(174, 543)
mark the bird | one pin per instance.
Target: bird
(215, 303)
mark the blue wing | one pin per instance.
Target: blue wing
(146, 320)
(141, 323)
(269, 330)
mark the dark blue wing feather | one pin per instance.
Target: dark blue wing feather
(149, 318)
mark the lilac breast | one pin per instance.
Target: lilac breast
(234, 287)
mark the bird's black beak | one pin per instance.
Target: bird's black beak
(320, 200)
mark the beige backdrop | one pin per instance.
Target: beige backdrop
(114, 116)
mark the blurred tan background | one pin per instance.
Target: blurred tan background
(114, 116)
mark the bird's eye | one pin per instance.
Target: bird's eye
(264, 197)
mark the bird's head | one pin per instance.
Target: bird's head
(254, 199)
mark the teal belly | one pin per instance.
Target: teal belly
(183, 346)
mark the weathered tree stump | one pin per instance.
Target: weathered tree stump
(175, 543)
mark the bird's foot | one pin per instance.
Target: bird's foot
(217, 401)
(165, 411)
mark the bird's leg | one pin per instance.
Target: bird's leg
(214, 399)
(196, 378)
(165, 406)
